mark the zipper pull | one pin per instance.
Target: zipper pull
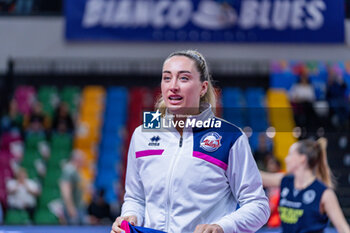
(180, 142)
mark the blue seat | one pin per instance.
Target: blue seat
(109, 159)
(110, 140)
(114, 121)
(117, 92)
(253, 141)
(256, 109)
(115, 118)
(234, 106)
(111, 194)
(282, 80)
(319, 82)
(105, 179)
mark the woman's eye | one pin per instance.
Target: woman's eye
(166, 78)
(184, 78)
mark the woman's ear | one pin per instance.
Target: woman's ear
(204, 88)
(304, 158)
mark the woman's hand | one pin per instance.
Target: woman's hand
(72, 212)
(208, 228)
(116, 225)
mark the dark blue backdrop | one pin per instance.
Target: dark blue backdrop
(310, 21)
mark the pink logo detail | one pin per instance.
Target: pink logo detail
(212, 143)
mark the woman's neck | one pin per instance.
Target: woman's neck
(182, 116)
(303, 178)
(189, 112)
(178, 128)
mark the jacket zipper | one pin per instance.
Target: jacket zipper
(180, 142)
(169, 183)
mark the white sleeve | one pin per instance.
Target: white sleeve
(246, 185)
(33, 186)
(11, 185)
(134, 199)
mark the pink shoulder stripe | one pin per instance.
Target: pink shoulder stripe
(143, 153)
(210, 159)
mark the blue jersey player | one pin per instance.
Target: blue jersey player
(307, 199)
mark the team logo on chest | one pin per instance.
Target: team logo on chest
(210, 142)
(309, 196)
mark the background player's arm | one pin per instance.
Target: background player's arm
(66, 192)
(271, 179)
(330, 205)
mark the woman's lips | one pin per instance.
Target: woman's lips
(175, 99)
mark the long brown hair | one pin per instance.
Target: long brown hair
(316, 153)
(203, 69)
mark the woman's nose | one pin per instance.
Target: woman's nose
(174, 85)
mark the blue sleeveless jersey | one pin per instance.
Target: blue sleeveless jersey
(300, 209)
(128, 228)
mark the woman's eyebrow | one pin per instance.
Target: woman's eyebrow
(180, 72)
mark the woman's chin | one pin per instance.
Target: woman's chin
(175, 110)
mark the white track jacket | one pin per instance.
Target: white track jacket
(174, 183)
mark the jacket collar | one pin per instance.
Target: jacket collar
(205, 113)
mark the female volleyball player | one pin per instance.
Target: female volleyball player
(307, 198)
(190, 176)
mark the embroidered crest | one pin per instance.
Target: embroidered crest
(210, 142)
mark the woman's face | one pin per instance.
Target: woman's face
(181, 85)
(294, 160)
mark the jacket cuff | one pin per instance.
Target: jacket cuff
(138, 216)
(227, 225)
